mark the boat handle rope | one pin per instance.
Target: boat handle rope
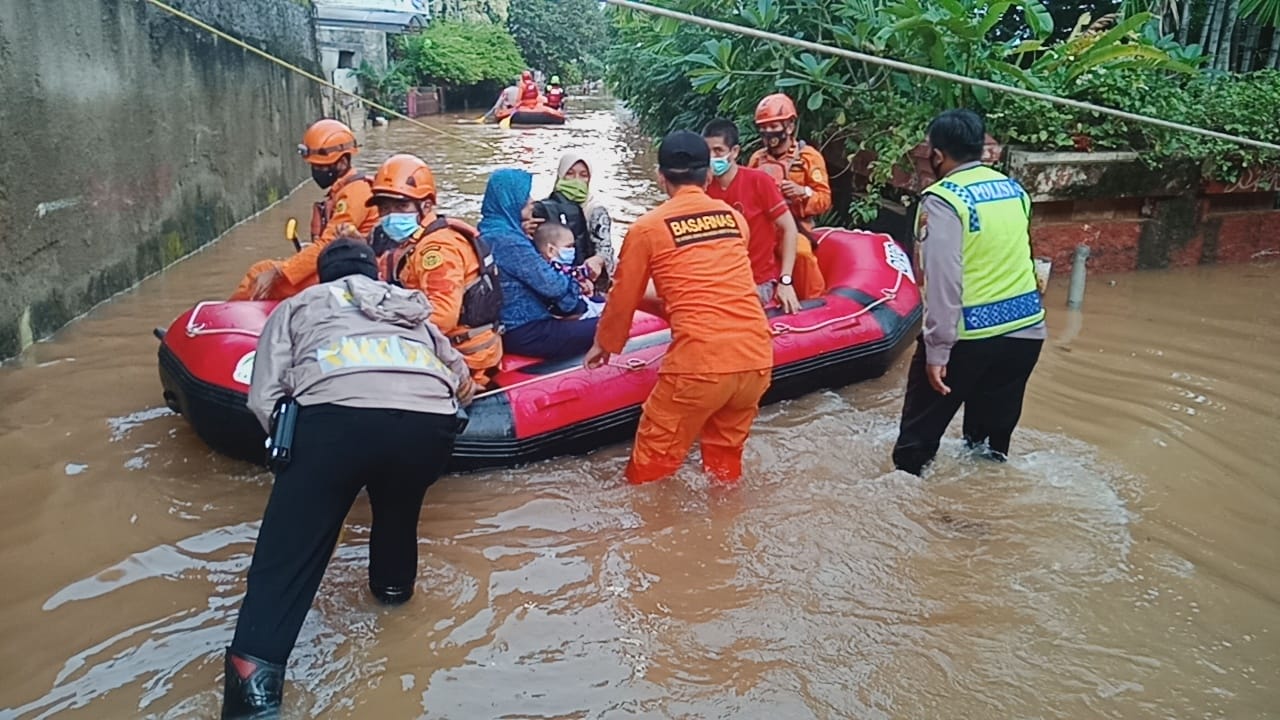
(195, 329)
(310, 76)
(775, 330)
(886, 295)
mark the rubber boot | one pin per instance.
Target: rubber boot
(391, 594)
(253, 688)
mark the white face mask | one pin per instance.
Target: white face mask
(566, 255)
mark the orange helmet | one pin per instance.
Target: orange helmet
(775, 108)
(403, 177)
(326, 141)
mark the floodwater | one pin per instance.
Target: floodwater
(1124, 564)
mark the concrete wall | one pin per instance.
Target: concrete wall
(366, 45)
(133, 138)
(1132, 216)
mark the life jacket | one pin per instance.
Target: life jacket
(322, 209)
(481, 299)
(570, 214)
(555, 96)
(790, 167)
(529, 94)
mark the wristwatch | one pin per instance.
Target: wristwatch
(785, 280)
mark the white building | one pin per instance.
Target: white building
(352, 32)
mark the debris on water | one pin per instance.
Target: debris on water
(121, 426)
(133, 520)
(76, 468)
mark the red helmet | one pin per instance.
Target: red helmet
(326, 141)
(775, 108)
(526, 75)
(403, 177)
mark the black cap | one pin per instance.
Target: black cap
(346, 257)
(683, 150)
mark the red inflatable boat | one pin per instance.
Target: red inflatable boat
(540, 115)
(542, 409)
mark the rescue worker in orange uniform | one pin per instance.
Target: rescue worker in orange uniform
(327, 146)
(530, 96)
(720, 360)
(444, 258)
(801, 173)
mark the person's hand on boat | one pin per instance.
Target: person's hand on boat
(596, 357)
(264, 282)
(790, 190)
(936, 373)
(588, 288)
(466, 391)
(786, 297)
(594, 265)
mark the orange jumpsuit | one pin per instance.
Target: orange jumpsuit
(443, 264)
(720, 360)
(344, 204)
(804, 166)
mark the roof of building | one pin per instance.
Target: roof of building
(389, 21)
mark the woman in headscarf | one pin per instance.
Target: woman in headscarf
(531, 288)
(571, 204)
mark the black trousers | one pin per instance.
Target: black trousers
(988, 377)
(338, 450)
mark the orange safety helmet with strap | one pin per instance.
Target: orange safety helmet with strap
(326, 141)
(404, 177)
(775, 108)
(408, 177)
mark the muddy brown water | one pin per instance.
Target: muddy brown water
(1125, 564)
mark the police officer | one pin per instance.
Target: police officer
(444, 258)
(378, 389)
(983, 321)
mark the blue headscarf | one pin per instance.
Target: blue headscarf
(504, 198)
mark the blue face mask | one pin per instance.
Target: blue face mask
(566, 255)
(399, 226)
(720, 166)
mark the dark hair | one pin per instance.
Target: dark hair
(696, 176)
(960, 134)
(547, 232)
(344, 257)
(724, 129)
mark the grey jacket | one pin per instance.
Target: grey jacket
(355, 342)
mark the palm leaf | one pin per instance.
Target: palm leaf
(1263, 12)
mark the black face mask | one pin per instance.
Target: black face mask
(773, 139)
(325, 175)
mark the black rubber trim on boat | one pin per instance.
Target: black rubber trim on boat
(835, 369)
(222, 420)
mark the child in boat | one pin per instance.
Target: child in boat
(555, 242)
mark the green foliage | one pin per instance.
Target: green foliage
(677, 75)
(1265, 12)
(460, 53)
(388, 87)
(561, 37)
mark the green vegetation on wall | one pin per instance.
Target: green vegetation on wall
(679, 75)
(459, 53)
